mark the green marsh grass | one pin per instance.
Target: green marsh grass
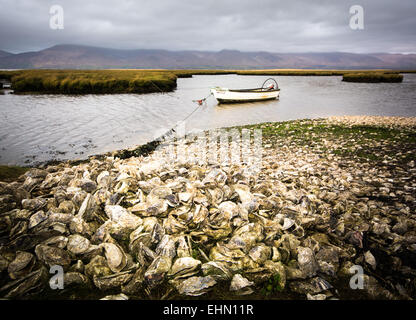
(92, 81)
(372, 77)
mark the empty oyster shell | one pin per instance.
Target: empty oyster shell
(52, 255)
(21, 265)
(184, 267)
(195, 286)
(241, 285)
(78, 244)
(116, 258)
(157, 270)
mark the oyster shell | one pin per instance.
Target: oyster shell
(217, 270)
(241, 285)
(184, 267)
(78, 244)
(122, 217)
(195, 286)
(307, 262)
(21, 265)
(52, 255)
(158, 270)
(120, 296)
(116, 258)
(113, 281)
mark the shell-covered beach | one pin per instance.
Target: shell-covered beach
(333, 195)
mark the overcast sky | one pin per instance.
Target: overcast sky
(256, 25)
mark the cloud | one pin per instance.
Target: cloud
(263, 25)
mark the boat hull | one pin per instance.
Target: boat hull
(236, 96)
(242, 101)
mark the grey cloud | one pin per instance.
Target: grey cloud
(262, 25)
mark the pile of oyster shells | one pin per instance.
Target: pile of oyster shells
(379, 121)
(149, 227)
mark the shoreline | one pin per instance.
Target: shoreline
(332, 193)
(147, 148)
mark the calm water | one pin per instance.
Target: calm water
(38, 128)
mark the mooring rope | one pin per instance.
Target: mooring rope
(200, 104)
(149, 147)
(170, 131)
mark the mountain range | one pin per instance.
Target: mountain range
(87, 57)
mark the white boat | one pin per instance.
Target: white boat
(266, 92)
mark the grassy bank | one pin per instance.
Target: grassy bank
(146, 81)
(9, 173)
(90, 81)
(348, 75)
(308, 72)
(190, 73)
(372, 77)
(290, 72)
(283, 72)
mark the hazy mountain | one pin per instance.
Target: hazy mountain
(84, 57)
(5, 54)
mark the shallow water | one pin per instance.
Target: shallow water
(39, 128)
